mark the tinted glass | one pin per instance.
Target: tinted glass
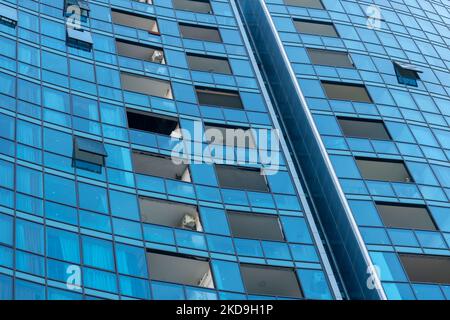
(208, 63)
(219, 98)
(156, 165)
(146, 85)
(139, 51)
(151, 122)
(315, 4)
(270, 281)
(425, 268)
(316, 28)
(330, 58)
(200, 6)
(403, 216)
(367, 129)
(200, 32)
(241, 178)
(255, 226)
(343, 91)
(394, 171)
(134, 21)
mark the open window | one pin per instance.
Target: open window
(245, 178)
(160, 166)
(231, 136)
(407, 74)
(77, 8)
(313, 4)
(146, 85)
(154, 123)
(135, 21)
(317, 28)
(140, 51)
(219, 98)
(426, 268)
(346, 91)
(199, 32)
(89, 154)
(8, 15)
(199, 6)
(272, 281)
(364, 128)
(182, 269)
(208, 63)
(330, 58)
(79, 38)
(170, 214)
(145, 1)
(255, 226)
(400, 215)
(384, 170)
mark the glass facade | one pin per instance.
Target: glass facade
(382, 188)
(338, 189)
(94, 97)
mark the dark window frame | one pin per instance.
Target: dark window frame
(330, 24)
(199, 26)
(381, 122)
(346, 84)
(405, 205)
(411, 179)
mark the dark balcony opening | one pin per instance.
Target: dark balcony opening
(364, 128)
(199, 32)
(346, 91)
(384, 170)
(255, 226)
(426, 268)
(219, 98)
(245, 178)
(153, 123)
(199, 6)
(160, 166)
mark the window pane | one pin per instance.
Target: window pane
(200, 6)
(134, 21)
(330, 58)
(146, 85)
(316, 28)
(366, 129)
(345, 91)
(208, 63)
(425, 268)
(385, 170)
(219, 98)
(160, 166)
(315, 4)
(271, 281)
(180, 269)
(255, 226)
(152, 122)
(405, 216)
(200, 32)
(139, 51)
(241, 178)
(229, 136)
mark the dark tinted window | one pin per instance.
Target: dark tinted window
(151, 123)
(200, 6)
(273, 281)
(426, 268)
(182, 269)
(346, 91)
(200, 32)
(159, 166)
(139, 51)
(146, 85)
(89, 154)
(367, 129)
(134, 21)
(407, 74)
(255, 226)
(208, 63)
(385, 170)
(315, 4)
(330, 58)
(229, 135)
(219, 98)
(241, 178)
(405, 216)
(317, 28)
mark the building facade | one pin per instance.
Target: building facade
(97, 101)
(362, 88)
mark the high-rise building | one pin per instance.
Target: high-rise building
(98, 99)
(363, 92)
(224, 149)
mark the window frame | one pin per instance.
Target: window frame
(362, 120)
